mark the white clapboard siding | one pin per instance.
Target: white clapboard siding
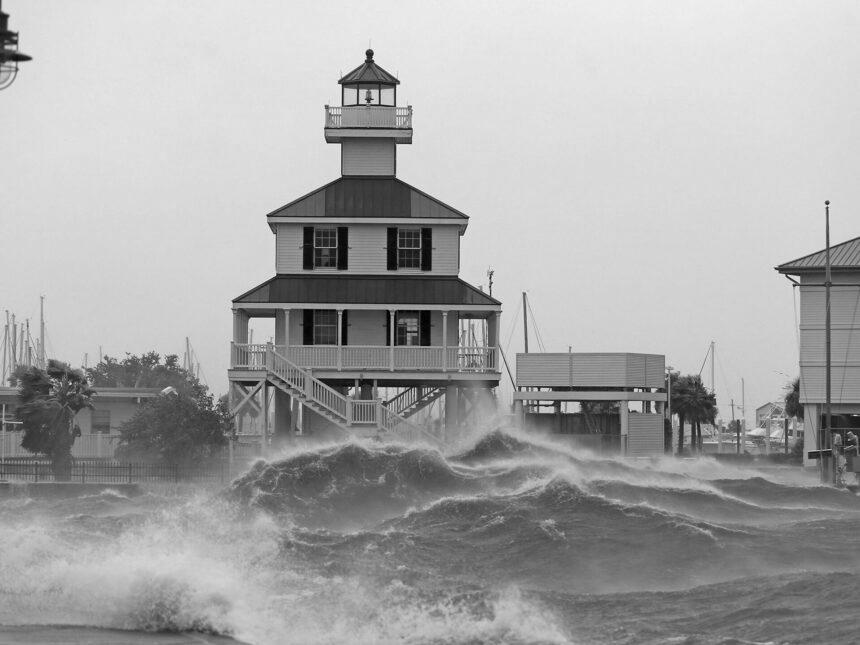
(366, 157)
(367, 250)
(644, 434)
(844, 306)
(844, 387)
(844, 346)
(590, 370)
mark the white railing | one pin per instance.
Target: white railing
(364, 411)
(471, 359)
(418, 358)
(361, 357)
(368, 116)
(372, 357)
(408, 397)
(248, 356)
(313, 355)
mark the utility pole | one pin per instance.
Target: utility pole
(743, 414)
(737, 429)
(824, 437)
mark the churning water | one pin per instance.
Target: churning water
(509, 541)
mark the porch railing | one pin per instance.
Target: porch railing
(371, 357)
(368, 116)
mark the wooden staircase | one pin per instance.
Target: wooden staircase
(413, 399)
(356, 417)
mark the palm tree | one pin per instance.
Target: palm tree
(50, 400)
(793, 406)
(692, 401)
(679, 386)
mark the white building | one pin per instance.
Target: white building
(366, 293)
(807, 276)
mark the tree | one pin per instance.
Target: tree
(146, 370)
(692, 401)
(50, 399)
(793, 406)
(176, 429)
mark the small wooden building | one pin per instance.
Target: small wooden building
(807, 275)
(635, 382)
(366, 296)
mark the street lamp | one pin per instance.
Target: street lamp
(9, 54)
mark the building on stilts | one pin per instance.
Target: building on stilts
(372, 322)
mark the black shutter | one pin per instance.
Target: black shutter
(342, 248)
(392, 249)
(426, 249)
(308, 327)
(387, 327)
(344, 325)
(424, 327)
(308, 248)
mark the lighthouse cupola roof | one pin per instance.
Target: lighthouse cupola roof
(369, 84)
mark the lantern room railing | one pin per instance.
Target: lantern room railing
(368, 116)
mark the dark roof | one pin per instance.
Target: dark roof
(367, 197)
(843, 257)
(367, 289)
(369, 72)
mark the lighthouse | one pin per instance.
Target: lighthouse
(372, 321)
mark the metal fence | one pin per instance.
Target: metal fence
(115, 472)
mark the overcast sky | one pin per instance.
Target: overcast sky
(637, 167)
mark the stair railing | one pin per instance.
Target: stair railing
(332, 400)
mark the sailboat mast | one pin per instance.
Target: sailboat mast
(525, 324)
(42, 362)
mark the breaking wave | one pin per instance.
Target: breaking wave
(512, 540)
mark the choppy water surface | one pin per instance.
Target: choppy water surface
(509, 541)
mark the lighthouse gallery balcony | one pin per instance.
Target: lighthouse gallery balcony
(368, 121)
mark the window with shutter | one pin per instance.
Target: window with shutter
(408, 248)
(325, 248)
(325, 327)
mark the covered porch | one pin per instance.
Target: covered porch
(349, 325)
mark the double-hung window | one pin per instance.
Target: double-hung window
(407, 329)
(325, 247)
(325, 327)
(408, 248)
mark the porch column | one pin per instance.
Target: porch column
(240, 326)
(493, 339)
(287, 333)
(624, 413)
(391, 336)
(339, 339)
(452, 409)
(444, 341)
(264, 437)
